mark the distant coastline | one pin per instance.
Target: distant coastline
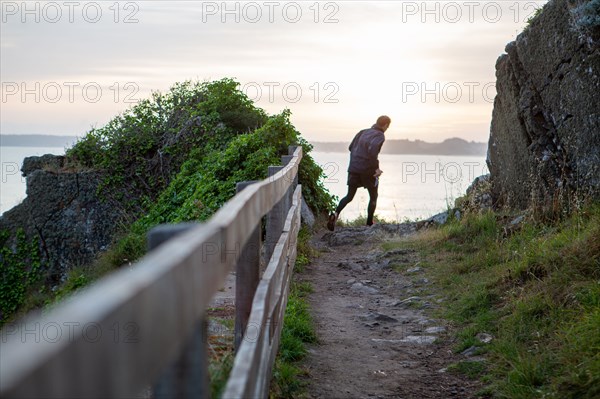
(36, 140)
(453, 146)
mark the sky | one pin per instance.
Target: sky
(68, 66)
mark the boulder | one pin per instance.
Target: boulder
(544, 141)
(306, 215)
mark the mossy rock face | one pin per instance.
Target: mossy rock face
(63, 212)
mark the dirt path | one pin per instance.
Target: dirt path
(377, 338)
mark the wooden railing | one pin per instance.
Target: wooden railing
(145, 326)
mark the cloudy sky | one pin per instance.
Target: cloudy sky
(68, 66)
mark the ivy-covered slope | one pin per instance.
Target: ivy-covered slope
(188, 147)
(172, 158)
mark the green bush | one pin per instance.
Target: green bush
(187, 148)
(19, 274)
(143, 148)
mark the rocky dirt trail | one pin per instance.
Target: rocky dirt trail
(377, 337)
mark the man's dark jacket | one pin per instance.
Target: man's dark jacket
(364, 150)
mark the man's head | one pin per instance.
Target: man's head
(383, 122)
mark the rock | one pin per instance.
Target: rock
(306, 215)
(383, 317)
(354, 266)
(375, 316)
(415, 269)
(544, 141)
(358, 287)
(440, 218)
(435, 330)
(477, 198)
(351, 281)
(396, 252)
(371, 324)
(48, 162)
(407, 301)
(383, 264)
(64, 212)
(516, 221)
(419, 339)
(216, 327)
(471, 351)
(484, 338)
(478, 183)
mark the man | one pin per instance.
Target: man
(363, 170)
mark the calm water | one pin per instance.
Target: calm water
(412, 186)
(12, 184)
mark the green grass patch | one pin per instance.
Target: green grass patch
(535, 288)
(298, 330)
(362, 221)
(468, 368)
(219, 374)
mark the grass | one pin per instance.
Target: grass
(297, 331)
(468, 368)
(220, 347)
(361, 220)
(535, 288)
(219, 373)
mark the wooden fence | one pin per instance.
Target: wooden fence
(145, 326)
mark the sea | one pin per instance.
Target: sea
(412, 187)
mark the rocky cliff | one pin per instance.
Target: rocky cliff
(545, 132)
(64, 212)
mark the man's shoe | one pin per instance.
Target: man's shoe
(331, 222)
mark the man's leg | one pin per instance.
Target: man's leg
(372, 204)
(334, 216)
(346, 200)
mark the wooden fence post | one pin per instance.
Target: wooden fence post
(287, 199)
(246, 278)
(275, 220)
(187, 377)
(291, 150)
(164, 232)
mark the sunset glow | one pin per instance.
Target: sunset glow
(336, 65)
